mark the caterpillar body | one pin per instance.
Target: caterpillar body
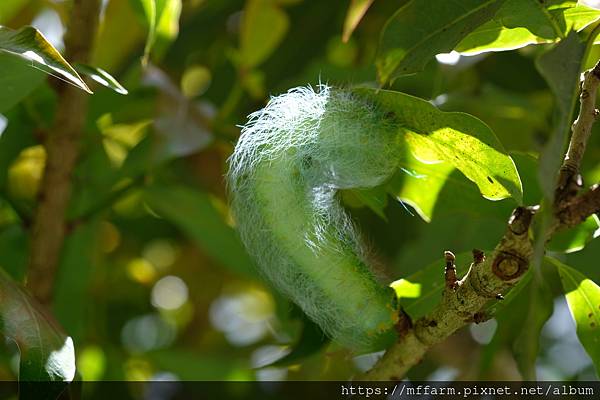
(291, 159)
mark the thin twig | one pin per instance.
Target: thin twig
(580, 208)
(569, 181)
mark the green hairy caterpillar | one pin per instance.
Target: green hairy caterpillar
(287, 167)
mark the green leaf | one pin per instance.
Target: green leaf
(167, 27)
(14, 251)
(574, 239)
(510, 314)
(519, 23)
(72, 292)
(560, 66)
(47, 354)
(356, 11)
(583, 297)
(17, 80)
(406, 289)
(196, 215)
(101, 77)
(37, 52)
(311, 340)
(263, 27)
(149, 8)
(423, 28)
(374, 198)
(459, 139)
(539, 309)
(507, 111)
(162, 19)
(409, 186)
(435, 190)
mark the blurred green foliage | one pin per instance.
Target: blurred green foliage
(153, 279)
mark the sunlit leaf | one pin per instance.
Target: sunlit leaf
(423, 28)
(506, 111)
(101, 77)
(47, 354)
(406, 289)
(36, 51)
(519, 23)
(263, 27)
(459, 139)
(583, 297)
(356, 11)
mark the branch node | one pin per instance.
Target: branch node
(480, 317)
(450, 271)
(432, 324)
(520, 219)
(478, 256)
(508, 266)
(404, 324)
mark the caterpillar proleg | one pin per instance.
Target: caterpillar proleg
(291, 159)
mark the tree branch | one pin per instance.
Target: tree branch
(463, 301)
(488, 278)
(569, 181)
(62, 148)
(580, 208)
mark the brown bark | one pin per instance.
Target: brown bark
(62, 148)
